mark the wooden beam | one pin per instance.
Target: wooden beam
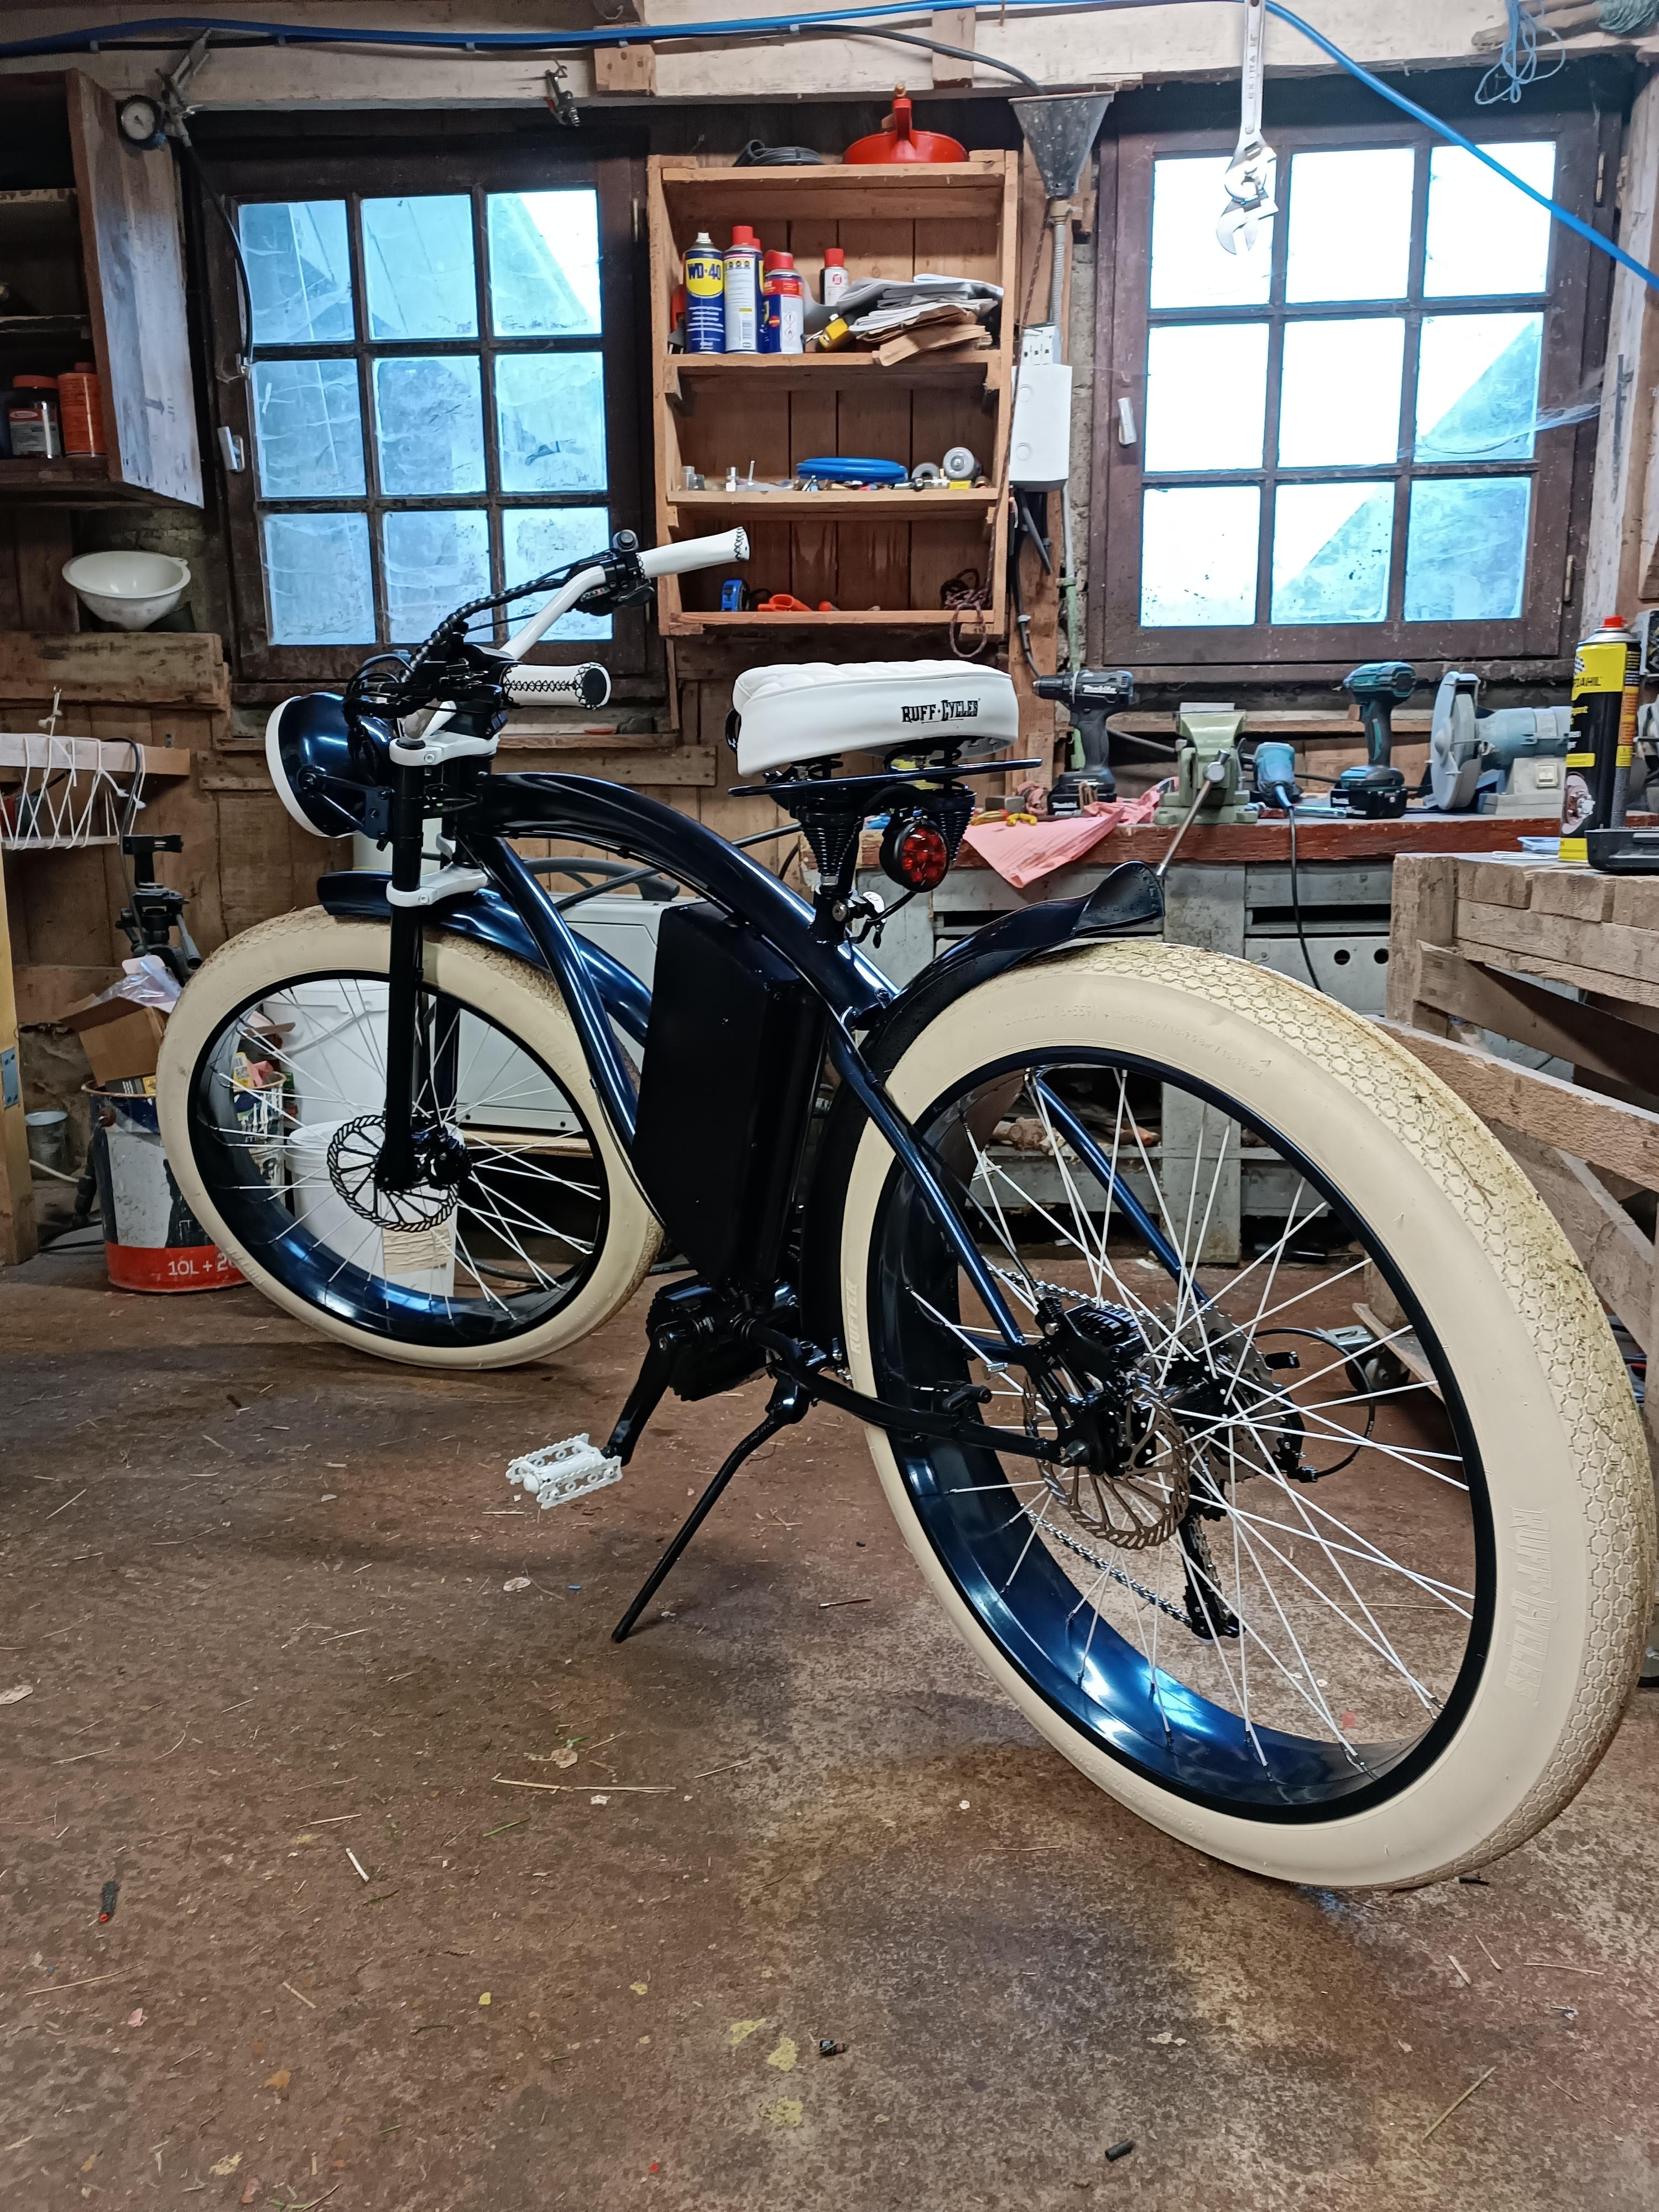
(1424, 912)
(1592, 1040)
(1603, 1132)
(953, 26)
(630, 70)
(1623, 514)
(1613, 1251)
(17, 1240)
(139, 668)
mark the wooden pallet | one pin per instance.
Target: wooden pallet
(1476, 943)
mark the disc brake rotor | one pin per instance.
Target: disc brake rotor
(353, 1152)
(1144, 1500)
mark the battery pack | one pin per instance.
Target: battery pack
(732, 1058)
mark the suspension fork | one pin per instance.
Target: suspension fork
(397, 1168)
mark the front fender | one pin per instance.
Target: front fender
(486, 918)
(1128, 900)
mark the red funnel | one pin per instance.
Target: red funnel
(898, 140)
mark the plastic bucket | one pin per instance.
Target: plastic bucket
(152, 1240)
(48, 1132)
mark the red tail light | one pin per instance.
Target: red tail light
(915, 854)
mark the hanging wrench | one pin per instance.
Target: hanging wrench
(1249, 175)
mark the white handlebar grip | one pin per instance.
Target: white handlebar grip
(695, 553)
(531, 684)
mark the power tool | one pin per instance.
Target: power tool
(1378, 789)
(1507, 760)
(1089, 696)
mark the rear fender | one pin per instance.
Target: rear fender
(486, 918)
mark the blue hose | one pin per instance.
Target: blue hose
(621, 34)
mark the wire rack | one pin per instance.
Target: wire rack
(60, 793)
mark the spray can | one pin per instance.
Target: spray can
(705, 315)
(783, 308)
(742, 301)
(836, 278)
(1604, 697)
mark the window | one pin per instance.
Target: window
(1337, 446)
(436, 407)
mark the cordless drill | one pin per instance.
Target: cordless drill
(1378, 789)
(1089, 696)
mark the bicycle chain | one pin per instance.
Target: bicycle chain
(1117, 1575)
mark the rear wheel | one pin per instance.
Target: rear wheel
(525, 1228)
(1333, 1618)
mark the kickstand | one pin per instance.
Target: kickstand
(788, 1403)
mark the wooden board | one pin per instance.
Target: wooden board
(132, 668)
(1603, 1132)
(134, 249)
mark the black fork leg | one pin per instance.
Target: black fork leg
(788, 1403)
(397, 1168)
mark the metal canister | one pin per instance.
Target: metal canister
(1604, 700)
(705, 306)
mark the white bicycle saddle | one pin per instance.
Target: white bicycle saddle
(803, 712)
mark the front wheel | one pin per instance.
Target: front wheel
(1337, 1620)
(525, 1230)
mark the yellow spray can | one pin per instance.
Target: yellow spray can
(1604, 697)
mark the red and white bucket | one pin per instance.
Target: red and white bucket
(152, 1240)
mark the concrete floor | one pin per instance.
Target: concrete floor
(261, 1592)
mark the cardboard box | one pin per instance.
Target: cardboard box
(120, 1040)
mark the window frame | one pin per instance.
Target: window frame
(1586, 151)
(379, 172)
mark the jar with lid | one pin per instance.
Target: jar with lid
(31, 423)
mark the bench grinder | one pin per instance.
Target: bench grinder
(1514, 754)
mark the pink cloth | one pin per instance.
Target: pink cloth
(1024, 852)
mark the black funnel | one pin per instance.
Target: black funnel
(1059, 132)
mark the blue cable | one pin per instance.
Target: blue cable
(114, 34)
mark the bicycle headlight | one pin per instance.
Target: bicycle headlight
(323, 770)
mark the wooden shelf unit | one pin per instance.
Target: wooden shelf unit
(882, 558)
(103, 263)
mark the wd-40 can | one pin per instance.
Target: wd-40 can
(705, 309)
(1604, 697)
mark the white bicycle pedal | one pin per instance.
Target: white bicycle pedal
(558, 1473)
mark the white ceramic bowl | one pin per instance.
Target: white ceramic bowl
(131, 590)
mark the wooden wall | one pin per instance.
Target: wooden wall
(243, 858)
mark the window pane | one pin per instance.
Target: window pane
(1339, 401)
(1485, 236)
(1206, 395)
(308, 431)
(1337, 200)
(543, 264)
(1190, 269)
(317, 579)
(1466, 552)
(1477, 387)
(538, 538)
(433, 564)
(299, 272)
(428, 425)
(549, 412)
(1198, 557)
(417, 268)
(1331, 546)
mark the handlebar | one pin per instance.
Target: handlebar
(695, 553)
(528, 685)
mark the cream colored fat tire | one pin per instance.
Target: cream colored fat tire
(1546, 1395)
(520, 999)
